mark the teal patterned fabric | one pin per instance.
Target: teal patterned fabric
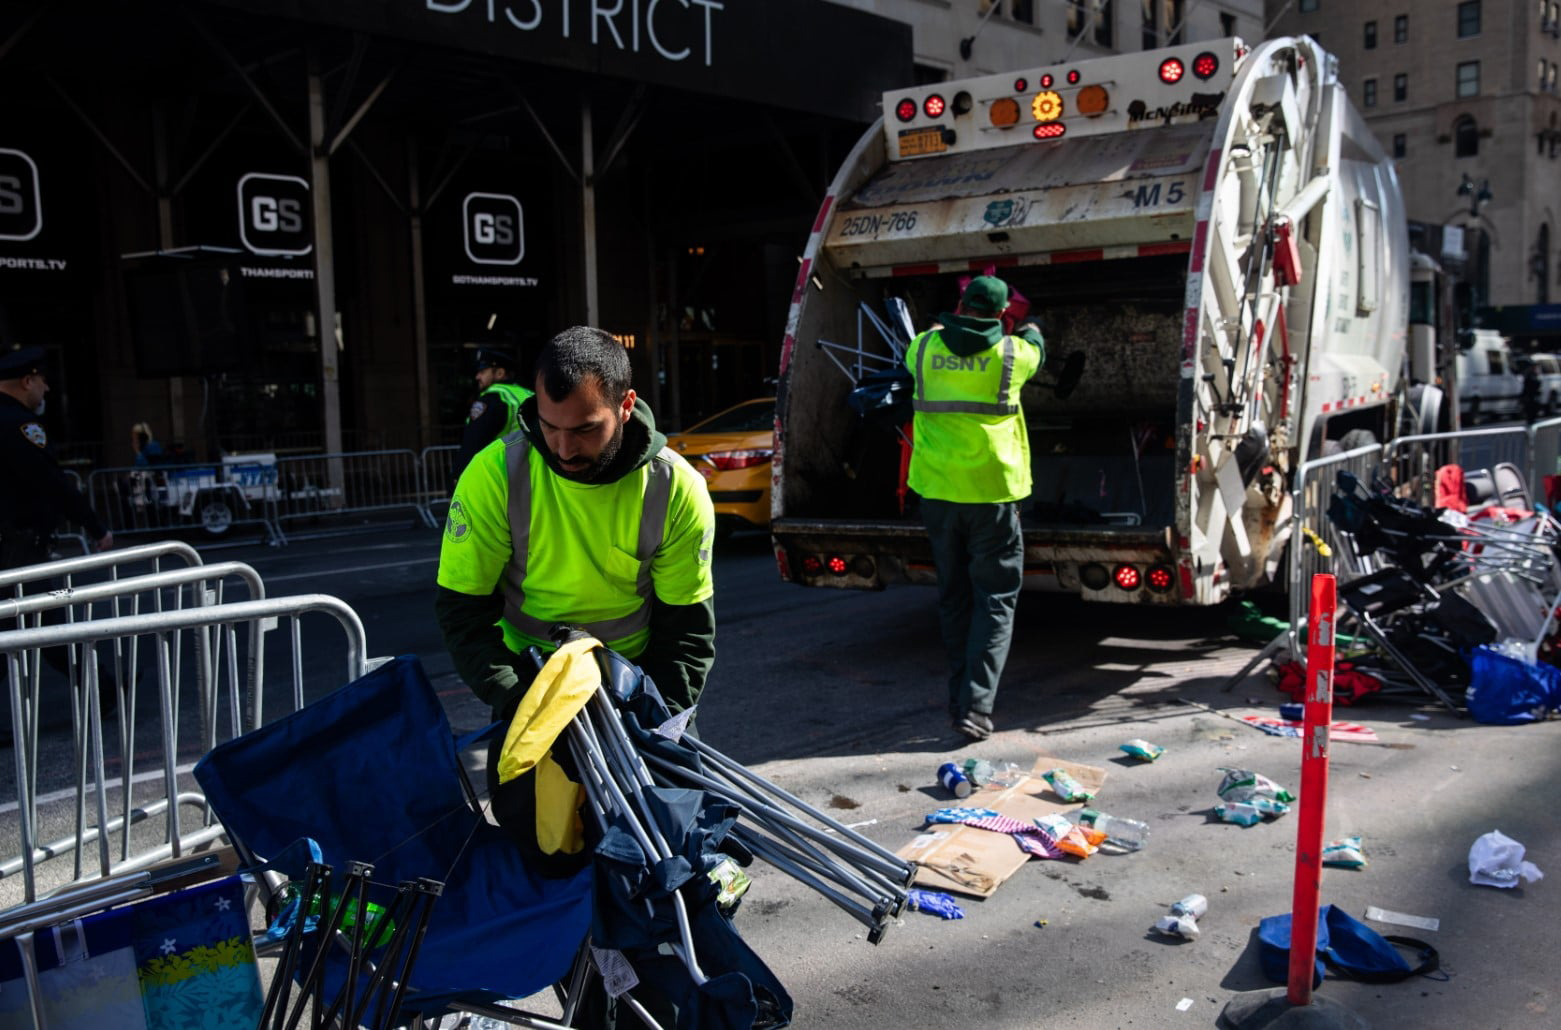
(177, 961)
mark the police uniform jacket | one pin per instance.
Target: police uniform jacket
(37, 496)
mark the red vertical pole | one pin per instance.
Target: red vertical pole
(1314, 789)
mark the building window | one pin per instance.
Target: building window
(1401, 28)
(1368, 93)
(1022, 11)
(1400, 145)
(1306, 6)
(1227, 24)
(1149, 35)
(1541, 261)
(1468, 79)
(1544, 72)
(1468, 19)
(1466, 137)
(1082, 16)
(1370, 39)
(1400, 88)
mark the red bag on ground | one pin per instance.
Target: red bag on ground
(1349, 683)
(1449, 488)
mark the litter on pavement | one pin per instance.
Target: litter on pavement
(1496, 860)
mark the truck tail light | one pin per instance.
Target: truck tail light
(1172, 70)
(1205, 65)
(905, 110)
(1094, 576)
(933, 106)
(811, 565)
(1127, 577)
(836, 564)
(1050, 130)
(1160, 579)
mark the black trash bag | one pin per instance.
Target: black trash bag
(884, 395)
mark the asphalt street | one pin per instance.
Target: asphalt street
(839, 697)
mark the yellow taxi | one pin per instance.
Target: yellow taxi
(732, 450)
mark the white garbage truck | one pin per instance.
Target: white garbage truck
(1210, 229)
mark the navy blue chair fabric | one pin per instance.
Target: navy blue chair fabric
(370, 772)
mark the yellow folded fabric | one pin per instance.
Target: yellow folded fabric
(558, 693)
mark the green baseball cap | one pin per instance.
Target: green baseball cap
(986, 295)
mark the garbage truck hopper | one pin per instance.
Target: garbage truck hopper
(1211, 228)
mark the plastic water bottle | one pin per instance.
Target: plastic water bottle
(1128, 834)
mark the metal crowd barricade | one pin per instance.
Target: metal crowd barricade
(231, 702)
(438, 465)
(214, 497)
(1412, 461)
(1544, 455)
(1314, 545)
(316, 486)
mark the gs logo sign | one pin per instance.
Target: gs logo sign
(494, 229)
(21, 213)
(273, 214)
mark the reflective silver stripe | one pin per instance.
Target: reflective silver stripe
(1008, 372)
(653, 518)
(653, 523)
(517, 468)
(964, 408)
(921, 358)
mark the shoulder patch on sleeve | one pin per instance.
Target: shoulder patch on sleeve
(478, 407)
(35, 434)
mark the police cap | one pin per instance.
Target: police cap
(489, 357)
(21, 362)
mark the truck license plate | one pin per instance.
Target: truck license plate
(916, 142)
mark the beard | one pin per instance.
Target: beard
(593, 471)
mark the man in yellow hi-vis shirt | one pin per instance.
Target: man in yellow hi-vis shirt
(582, 516)
(970, 464)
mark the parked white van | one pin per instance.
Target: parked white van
(1549, 368)
(1488, 379)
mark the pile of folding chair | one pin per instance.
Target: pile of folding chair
(604, 861)
(1422, 586)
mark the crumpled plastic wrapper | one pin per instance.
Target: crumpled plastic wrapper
(1496, 860)
(1244, 785)
(934, 902)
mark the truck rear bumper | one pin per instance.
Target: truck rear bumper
(1085, 560)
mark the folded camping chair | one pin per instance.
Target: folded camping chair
(1519, 608)
(371, 775)
(1511, 488)
(1419, 631)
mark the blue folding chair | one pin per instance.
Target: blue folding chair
(370, 773)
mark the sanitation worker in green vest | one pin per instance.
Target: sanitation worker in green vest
(970, 464)
(496, 411)
(584, 517)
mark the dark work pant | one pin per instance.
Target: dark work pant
(979, 553)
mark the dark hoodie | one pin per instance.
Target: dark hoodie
(966, 334)
(682, 637)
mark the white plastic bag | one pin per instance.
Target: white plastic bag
(1496, 860)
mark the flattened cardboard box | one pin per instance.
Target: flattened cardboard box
(965, 860)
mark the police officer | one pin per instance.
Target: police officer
(496, 411)
(37, 496)
(584, 517)
(970, 464)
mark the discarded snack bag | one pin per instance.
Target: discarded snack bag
(1142, 750)
(1080, 841)
(1065, 786)
(1344, 853)
(1268, 806)
(1244, 785)
(1239, 812)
